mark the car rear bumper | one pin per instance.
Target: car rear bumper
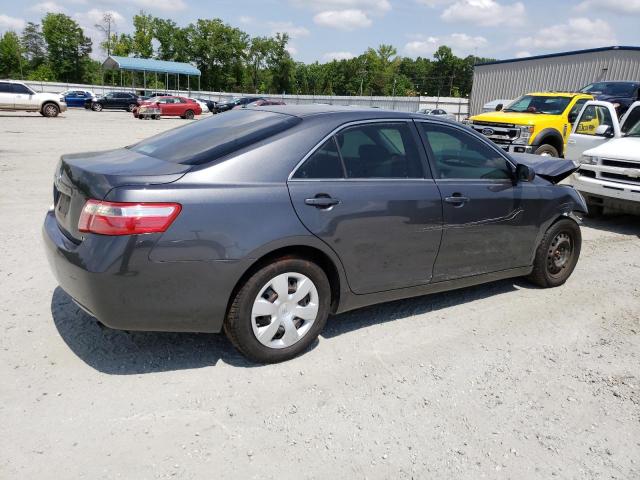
(113, 279)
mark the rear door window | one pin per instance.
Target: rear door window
(325, 163)
(5, 88)
(380, 150)
(212, 138)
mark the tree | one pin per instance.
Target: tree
(172, 40)
(68, 48)
(143, 35)
(34, 47)
(280, 63)
(10, 56)
(107, 23)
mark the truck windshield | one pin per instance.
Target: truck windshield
(549, 105)
(621, 89)
(631, 126)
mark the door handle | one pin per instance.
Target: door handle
(322, 201)
(457, 200)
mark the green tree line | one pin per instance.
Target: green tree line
(56, 49)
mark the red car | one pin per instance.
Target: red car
(171, 106)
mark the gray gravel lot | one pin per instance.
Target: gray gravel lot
(498, 381)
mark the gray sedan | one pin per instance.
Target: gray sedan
(262, 222)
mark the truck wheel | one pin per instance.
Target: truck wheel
(96, 107)
(189, 115)
(557, 254)
(279, 311)
(547, 150)
(50, 110)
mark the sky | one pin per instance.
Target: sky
(326, 29)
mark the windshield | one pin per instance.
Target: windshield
(214, 137)
(549, 105)
(621, 89)
(631, 126)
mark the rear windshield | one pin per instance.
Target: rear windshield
(212, 138)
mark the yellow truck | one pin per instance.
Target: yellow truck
(537, 123)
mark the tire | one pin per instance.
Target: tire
(189, 115)
(131, 106)
(156, 117)
(557, 254)
(96, 107)
(50, 110)
(547, 150)
(283, 335)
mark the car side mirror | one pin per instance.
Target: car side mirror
(524, 173)
(499, 107)
(605, 131)
(573, 116)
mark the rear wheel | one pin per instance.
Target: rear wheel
(131, 106)
(279, 311)
(96, 107)
(50, 110)
(557, 254)
(547, 150)
(189, 115)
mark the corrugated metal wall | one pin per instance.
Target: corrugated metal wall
(570, 72)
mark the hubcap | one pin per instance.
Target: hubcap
(559, 254)
(284, 310)
(51, 110)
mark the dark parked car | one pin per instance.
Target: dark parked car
(234, 102)
(621, 94)
(261, 103)
(264, 222)
(114, 100)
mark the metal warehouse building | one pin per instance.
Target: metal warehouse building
(508, 79)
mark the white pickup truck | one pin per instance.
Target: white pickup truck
(608, 150)
(17, 96)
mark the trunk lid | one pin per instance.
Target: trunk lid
(83, 176)
(550, 168)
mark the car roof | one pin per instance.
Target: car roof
(303, 111)
(558, 94)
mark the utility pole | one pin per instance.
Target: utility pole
(105, 27)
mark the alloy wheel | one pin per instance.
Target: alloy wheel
(284, 310)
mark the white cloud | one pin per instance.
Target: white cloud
(246, 20)
(343, 19)
(617, 6)
(292, 50)
(47, 7)
(164, 5)
(523, 54)
(368, 6)
(486, 13)
(11, 23)
(460, 43)
(338, 56)
(435, 3)
(576, 33)
(288, 27)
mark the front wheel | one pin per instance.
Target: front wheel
(547, 150)
(96, 107)
(50, 110)
(279, 311)
(557, 254)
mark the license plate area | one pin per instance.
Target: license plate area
(62, 206)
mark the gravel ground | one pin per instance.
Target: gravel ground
(498, 381)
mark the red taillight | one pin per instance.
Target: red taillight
(117, 218)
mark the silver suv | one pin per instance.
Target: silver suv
(18, 96)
